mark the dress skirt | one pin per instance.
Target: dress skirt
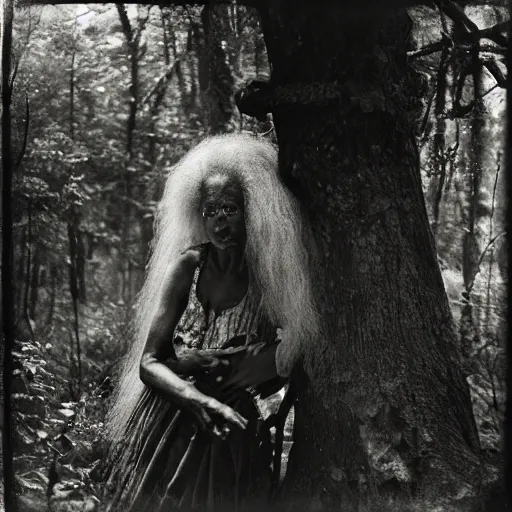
(166, 463)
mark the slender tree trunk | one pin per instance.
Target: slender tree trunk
(72, 95)
(158, 99)
(469, 327)
(170, 42)
(215, 77)
(383, 405)
(26, 295)
(53, 290)
(34, 284)
(21, 273)
(133, 41)
(80, 266)
(259, 53)
(492, 252)
(6, 46)
(194, 48)
(235, 48)
(73, 287)
(439, 157)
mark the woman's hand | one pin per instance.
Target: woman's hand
(215, 417)
(256, 348)
(190, 363)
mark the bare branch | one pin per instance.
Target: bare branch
(492, 48)
(142, 24)
(445, 42)
(482, 255)
(493, 68)
(470, 40)
(491, 242)
(13, 75)
(165, 77)
(495, 30)
(469, 28)
(459, 111)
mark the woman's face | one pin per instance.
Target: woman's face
(222, 208)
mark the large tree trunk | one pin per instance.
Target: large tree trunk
(383, 405)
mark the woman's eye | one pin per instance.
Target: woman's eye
(209, 212)
(230, 209)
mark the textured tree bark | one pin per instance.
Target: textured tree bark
(383, 406)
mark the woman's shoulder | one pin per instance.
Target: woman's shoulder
(180, 273)
(183, 267)
(192, 256)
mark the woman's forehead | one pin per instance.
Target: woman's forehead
(222, 187)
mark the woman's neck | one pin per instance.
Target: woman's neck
(226, 261)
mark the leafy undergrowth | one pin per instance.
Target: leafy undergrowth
(58, 443)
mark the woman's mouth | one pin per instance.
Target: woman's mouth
(223, 234)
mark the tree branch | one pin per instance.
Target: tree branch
(491, 241)
(493, 68)
(257, 4)
(125, 22)
(470, 39)
(459, 111)
(142, 24)
(445, 42)
(469, 29)
(469, 32)
(166, 76)
(495, 30)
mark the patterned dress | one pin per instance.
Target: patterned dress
(167, 463)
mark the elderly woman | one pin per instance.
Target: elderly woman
(229, 267)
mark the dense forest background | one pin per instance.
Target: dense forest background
(106, 100)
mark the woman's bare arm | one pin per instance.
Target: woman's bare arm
(153, 372)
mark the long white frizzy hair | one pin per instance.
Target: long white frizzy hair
(277, 250)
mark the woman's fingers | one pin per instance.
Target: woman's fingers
(217, 432)
(256, 348)
(234, 417)
(204, 420)
(228, 414)
(208, 425)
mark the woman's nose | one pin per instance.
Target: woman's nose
(218, 228)
(221, 218)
